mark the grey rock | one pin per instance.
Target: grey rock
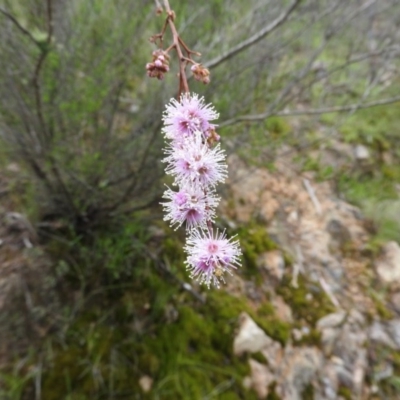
(388, 266)
(331, 320)
(298, 369)
(250, 338)
(379, 334)
(395, 302)
(340, 234)
(260, 378)
(394, 331)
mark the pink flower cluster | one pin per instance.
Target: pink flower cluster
(197, 167)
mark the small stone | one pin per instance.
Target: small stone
(361, 152)
(359, 371)
(297, 334)
(340, 234)
(146, 383)
(329, 380)
(388, 266)
(309, 297)
(298, 369)
(331, 320)
(13, 167)
(250, 338)
(378, 333)
(394, 331)
(345, 376)
(273, 354)
(261, 378)
(386, 371)
(247, 382)
(273, 262)
(282, 309)
(395, 301)
(293, 217)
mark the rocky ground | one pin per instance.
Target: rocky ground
(356, 354)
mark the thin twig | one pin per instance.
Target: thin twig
(39, 64)
(297, 266)
(166, 5)
(349, 107)
(183, 84)
(18, 25)
(158, 5)
(327, 110)
(328, 291)
(313, 197)
(255, 38)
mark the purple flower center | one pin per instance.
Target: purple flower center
(180, 198)
(193, 215)
(183, 164)
(212, 248)
(202, 265)
(202, 170)
(190, 123)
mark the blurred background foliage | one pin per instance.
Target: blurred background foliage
(78, 112)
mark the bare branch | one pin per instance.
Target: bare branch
(255, 38)
(329, 34)
(346, 108)
(313, 196)
(39, 64)
(166, 5)
(326, 110)
(18, 25)
(158, 5)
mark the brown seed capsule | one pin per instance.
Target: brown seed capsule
(200, 73)
(159, 66)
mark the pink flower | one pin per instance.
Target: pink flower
(197, 166)
(191, 205)
(211, 255)
(192, 162)
(183, 118)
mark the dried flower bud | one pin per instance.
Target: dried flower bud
(212, 136)
(159, 66)
(200, 73)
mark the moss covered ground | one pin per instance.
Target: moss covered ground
(132, 321)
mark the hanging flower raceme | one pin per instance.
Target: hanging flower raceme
(197, 166)
(195, 160)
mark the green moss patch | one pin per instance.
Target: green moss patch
(304, 309)
(254, 240)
